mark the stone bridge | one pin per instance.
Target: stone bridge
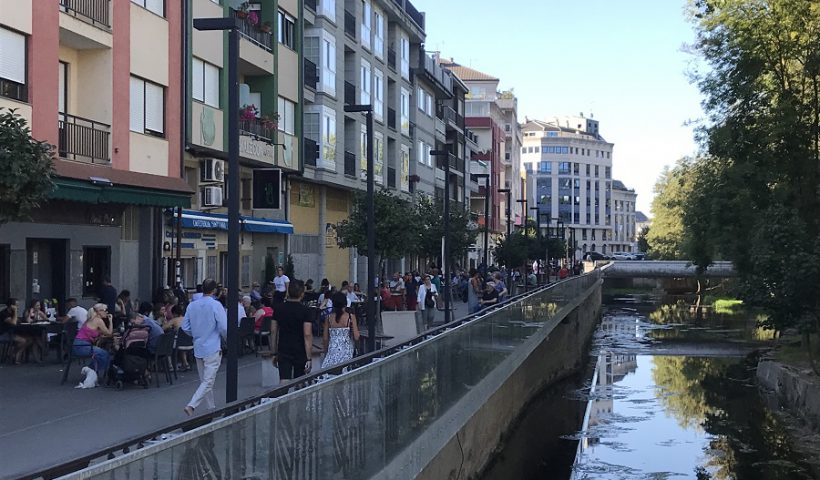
(664, 269)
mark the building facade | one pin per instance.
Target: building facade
(569, 178)
(624, 221)
(97, 80)
(270, 126)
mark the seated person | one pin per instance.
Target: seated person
(75, 313)
(263, 309)
(490, 295)
(8, 319)
(97, 326)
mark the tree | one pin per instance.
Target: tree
(671, 190)
(512, 250)
(755, 197)
(27, 166)
(430, 220)
(643, 244)
(397, 226)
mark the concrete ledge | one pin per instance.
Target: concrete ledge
(796, 392)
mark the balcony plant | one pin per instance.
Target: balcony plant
(248, 112)
(242, 10)
(270, 122)
(265, 27)
(253, 18)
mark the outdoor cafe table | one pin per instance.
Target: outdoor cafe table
(39, 329)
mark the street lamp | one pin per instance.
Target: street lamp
(537, 217)
(232, 281)
(523, 201)
(486, 177)
(446, 154)
(372, 289)
(509, 228)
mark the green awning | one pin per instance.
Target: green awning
(84, 191)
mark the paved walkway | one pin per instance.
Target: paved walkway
(44, 423)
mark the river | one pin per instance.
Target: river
(665, 395)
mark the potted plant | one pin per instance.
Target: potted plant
(270, 122)
(248, 112)
(265, 27)
(253, 18)
(242, 10)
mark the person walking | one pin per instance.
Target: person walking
(291, 334)
(280, 285)
(340, 333)
(207, 322)
(427, 301)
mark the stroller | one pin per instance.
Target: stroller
(130, 363)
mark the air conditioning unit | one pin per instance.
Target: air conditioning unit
(212, 170)
(211, 197)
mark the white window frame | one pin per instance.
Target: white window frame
(205, 78)
(327, 128)
(327, 8)
(153, 6)
(328, 63)
(147, 107)
(13, 56)
(404, 111)
(286, 34)
(367, 23)
(378, 39)
(378, 95)
(404, 54)
(365, 79)
(428, 104)
(287, 116)
(420, 98)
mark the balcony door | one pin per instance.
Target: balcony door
(62, 91)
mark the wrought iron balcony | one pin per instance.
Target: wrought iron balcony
(95, 12)
(253, 31)
(257, 128)
(83, 139)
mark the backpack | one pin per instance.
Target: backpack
(137, 333)
(429, 300)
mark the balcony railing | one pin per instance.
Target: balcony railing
(311, 4)
(350, 24)
(311, 75)
(435, 72)
(350, 164)
(391, 118)
(311, 152)
(391, 58)
(95, 12)
(83, 139)
(13, 90)
(411, 11)
(257, 129)
(350, 94)
(391, 177)
(253, 32)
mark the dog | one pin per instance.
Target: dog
(89, 378)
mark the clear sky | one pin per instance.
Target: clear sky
(621, 60)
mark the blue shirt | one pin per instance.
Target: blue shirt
(154, 334)
(207, 322)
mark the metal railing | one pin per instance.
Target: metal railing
(391, 118)
(414, 14)
(350, 164)
(388, 401)
(13, 90)
(83, 139)
(311, 153)
(350, 24)
(391, 58)
(311, 4)
(391, 177)
(95, 12)
(257, 129)
(350, 94)
(253, 32)
(311, 75)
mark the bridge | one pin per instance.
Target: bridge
(436, 406)
(665, 269)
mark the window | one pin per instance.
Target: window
(528, 167)
(423, 155)
(147, 107)
(327, 8)
(405, 111)
(378, 157)
(287, 116)
(596, 173)
(575, 169)
(428, 106)
(328, 127)
(564, 167)
(13, 65)
(286, 28)
(405, 168)
(523, 149)
(205, 82)
(378, 94)
(545, 167)
(328, 63)
(405, 56)
(378, 42)
(608, 172)
(367, 16)
(96, 266)
(364, 81)
(155, 6)
(587, 173)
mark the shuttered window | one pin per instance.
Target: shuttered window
(147, 107)
(12, 56)
(205, 82)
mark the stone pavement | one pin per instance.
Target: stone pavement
(44, 423)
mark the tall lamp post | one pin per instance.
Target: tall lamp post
(446, 155)
(525, 220)
(537, 217)
(371, 290)
(509, 228)
(232, 281)
(486, 177)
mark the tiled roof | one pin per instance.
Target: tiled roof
(640, 217)
(465, 73)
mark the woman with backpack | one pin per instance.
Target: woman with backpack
(427, 301)
(341, 331)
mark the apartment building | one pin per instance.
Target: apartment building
(270, 126)
(624, 219)
(97, 79)
(569, 178)
(368, 52)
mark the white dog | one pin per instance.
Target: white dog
(89, 378)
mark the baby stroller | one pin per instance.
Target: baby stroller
(130, 363)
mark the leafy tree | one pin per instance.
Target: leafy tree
(289, 269)
(430, 220)
(643, 244)
(671, 190)
(512, 251)
(27, 167)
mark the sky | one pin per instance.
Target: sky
(622, 61)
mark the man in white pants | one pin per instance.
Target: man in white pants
(207, 322)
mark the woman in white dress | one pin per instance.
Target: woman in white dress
(340, 332)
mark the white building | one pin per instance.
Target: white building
(569, 178)
(623, 218)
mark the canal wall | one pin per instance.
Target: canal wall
(558, 351)
(793, 391)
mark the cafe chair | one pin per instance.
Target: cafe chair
(69, 333)
(163, 355)
(264, 334)
(6, 347)
(183, 343)
(246, 334)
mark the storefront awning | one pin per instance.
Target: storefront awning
(219, 221)
(86, 192)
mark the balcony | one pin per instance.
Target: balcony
(253, 31)
(258, 129)
(311, 152)
(95, 12)
(451, 117)
(441, 130)
(350, 164)
(82, 139)
(440, 77)
(13, 90)
(414, 14)
(311, 4)
(350, 24)
(350, 94)
(311, 75)
(391, 118)
(391, 58)
(391, 177)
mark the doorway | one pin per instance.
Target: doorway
(47, 266)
